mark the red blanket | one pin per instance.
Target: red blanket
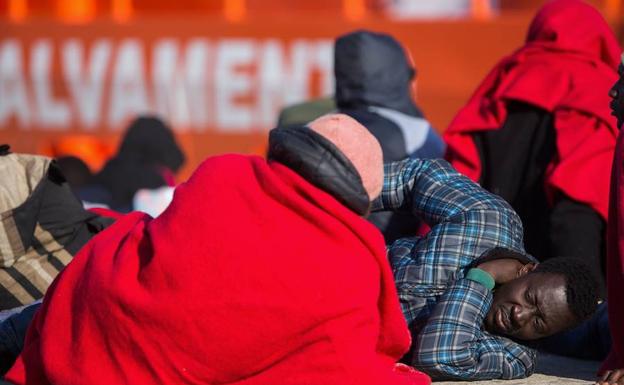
(567, 66)
(251, 276)
(615, 260)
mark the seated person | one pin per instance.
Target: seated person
(43, 225)
(612, 370)
(469, 292)
(258, 272)
(148, 157)
(538, 132)
(375, 78)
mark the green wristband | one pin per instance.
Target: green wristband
(481, 276)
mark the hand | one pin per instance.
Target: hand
(506, 269)
(612, 377)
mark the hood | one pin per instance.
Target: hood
(373, 69)
(150, 141)
(573, 26)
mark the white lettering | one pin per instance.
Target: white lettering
(50, 113)
(180, 85)
(128, 93)
(232, 83)
(86, 80)
(281, 81)
(13, 97)
(323, 58)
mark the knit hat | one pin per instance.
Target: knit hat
(358, 145)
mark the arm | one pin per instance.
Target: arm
(434, 191)
(452, 345)
(465, 221)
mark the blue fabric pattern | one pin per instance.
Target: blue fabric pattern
(445, 312)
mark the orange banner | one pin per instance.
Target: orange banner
(219, 84)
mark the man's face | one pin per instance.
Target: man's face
(530, 307)
(617, 94)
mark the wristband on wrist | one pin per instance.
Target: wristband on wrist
(482, 277)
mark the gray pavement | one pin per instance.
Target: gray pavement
(551, 370)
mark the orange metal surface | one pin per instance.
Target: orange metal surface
(62, 79)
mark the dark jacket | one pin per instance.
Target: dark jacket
(43, 225)
(373, 86)
(147, 153)
(515, 161)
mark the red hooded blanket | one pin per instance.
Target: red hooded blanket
(615, 260)
(251, 276)
(566, 67)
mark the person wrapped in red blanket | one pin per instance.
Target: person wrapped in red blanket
(612, 370)
(538, 131)
(259, 272)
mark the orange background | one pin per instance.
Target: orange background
(451, 56)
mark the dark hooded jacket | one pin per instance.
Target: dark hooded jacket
(42, 225)
(147, 153)
(373, 83)
(373, 86)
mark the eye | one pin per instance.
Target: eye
(536, 325)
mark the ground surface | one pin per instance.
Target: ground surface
(551, 370)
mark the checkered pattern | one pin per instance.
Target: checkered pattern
(445, 312)
(452, 344)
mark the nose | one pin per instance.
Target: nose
(520, 315)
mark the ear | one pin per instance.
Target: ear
(525, 269)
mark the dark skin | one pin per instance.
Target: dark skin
(617, 109)
(612, 377)
(617, 95)
(526, 306)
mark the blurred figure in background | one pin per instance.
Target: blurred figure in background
(374, 80)
(305, 112)
(76, 172)
(538, 131)
(148, 158)
(43, 226)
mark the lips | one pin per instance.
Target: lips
(502, 320)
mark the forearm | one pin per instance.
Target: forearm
(453, 345)
(432, 190)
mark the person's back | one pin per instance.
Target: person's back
(373, 85)
(147, 158)
(43, 226)
(256, 274)
(538, 131)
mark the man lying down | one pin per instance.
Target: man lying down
(468, 290)
(259, 274)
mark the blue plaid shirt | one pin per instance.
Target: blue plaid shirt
(444, 310)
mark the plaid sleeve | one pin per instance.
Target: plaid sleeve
(434, 191)
(465, 221)
(452, 345)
